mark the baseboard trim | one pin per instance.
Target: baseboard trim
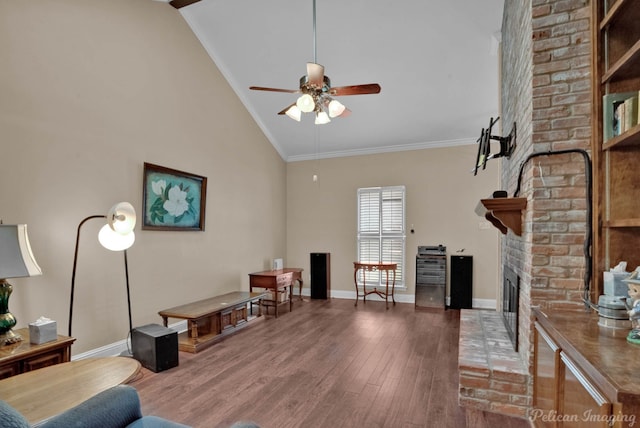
(484, 304)
(122, 346)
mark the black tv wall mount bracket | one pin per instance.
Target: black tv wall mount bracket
(507, 145)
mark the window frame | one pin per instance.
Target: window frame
(381, 231)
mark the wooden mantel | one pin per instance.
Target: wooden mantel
(503, 213)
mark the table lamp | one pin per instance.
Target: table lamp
(16, 261)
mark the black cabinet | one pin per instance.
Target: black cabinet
(461, 282)
(320, 275)
(155, 346)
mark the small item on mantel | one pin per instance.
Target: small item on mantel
(613, 285)
(43, 330)
(633, 305)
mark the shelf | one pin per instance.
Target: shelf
(612, 13)
(629, 138)
(627, 222)
(626, 67)
(503, 213)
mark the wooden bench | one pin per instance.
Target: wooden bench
(210, 319)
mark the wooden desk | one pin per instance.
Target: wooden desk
(209, 318)
(23, 356)
(276, 280)
(44, 393)
(296, 276)
(386, 267)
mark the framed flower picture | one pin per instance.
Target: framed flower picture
(172, 199)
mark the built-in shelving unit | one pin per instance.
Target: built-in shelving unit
(615, 70)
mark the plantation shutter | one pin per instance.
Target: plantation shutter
(381, 229)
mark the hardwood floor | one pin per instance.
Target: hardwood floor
(326, 364)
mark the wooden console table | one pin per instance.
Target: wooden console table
(583, 370)
(386, 267)
(210, 318)
(44, 393)
(278, 281)
(23, 356)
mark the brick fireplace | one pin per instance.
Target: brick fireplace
(546, 90)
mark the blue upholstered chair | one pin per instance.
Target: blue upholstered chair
(116, 407)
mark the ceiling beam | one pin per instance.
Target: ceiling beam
(182, 3)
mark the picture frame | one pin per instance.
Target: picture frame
(172, 200)
(610, 122)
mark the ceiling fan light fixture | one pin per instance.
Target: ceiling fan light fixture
(294, 113)
(322, 118)
(316, 91)
(306, 103)
(336, 108)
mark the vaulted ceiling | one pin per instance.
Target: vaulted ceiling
(436, 61)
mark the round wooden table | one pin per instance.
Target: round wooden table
(43, 393)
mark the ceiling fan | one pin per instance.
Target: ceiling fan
(317, 93)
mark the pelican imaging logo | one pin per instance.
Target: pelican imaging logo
(588, 416)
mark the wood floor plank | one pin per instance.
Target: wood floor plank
(324, 364)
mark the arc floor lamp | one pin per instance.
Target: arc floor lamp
(116, 235)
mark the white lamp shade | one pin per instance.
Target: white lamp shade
(322, 118)
(122, 217)
(294, 113)
(306, 103)
(16, 257)
(336, 108)
(114, 241)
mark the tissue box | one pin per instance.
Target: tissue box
(613, 284)
(43, 332)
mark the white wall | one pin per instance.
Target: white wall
(90, 91)
(441, 196)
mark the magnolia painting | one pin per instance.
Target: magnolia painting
(173, 200)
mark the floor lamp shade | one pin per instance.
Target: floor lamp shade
(122, 218)
(114, 241)
(16, 261)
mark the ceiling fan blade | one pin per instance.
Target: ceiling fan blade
(284, 111)
(345, 113)
(260, 88)
(315, 74)
(370, 88)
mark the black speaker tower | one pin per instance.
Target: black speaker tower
(320, 275)
(461, 282)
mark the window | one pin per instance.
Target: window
(381, 230)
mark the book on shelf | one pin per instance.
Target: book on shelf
(620, 113)
(630, 113)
